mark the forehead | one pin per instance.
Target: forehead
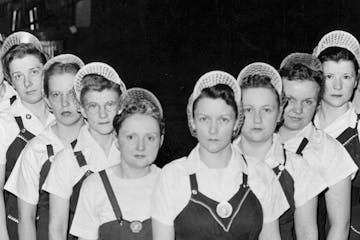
(58, 82)
(140, 123)
(339, 66)
(25, 63)
(259, 96)
(301, 89)
(102, 96)
(212, 106)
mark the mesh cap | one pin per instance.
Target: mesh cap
(18, 38)
(305, 59)
(101, 69)
(140, 94)
(341, 39)
(211, 79)
(260, 68)
(64, 58)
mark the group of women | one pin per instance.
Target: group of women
(277, 154)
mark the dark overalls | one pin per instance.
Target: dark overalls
(76, 190)
(200, 220)
(349, 138)
(121, 228)
(12, 154)
(286, 220)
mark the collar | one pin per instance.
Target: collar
(293, 143)
(87, 141)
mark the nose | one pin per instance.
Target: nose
(27, 81)
(257, 117)
(65, 101)
(213, 127)
(140, 146)
(103, 112)
(298, 107)
(337, 83)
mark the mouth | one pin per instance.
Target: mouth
(31, 92)
(295, 119)
(104, 123)
(213, 140)
(336, 95)
(139, 156)
(66, 113)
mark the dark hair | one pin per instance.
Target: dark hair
(260, 81)
(336, 54)
(300, 72)
(96, 82)
(142, 107)
(58, 68)
(218, 91)
(20, 51)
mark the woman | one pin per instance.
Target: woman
(99, 89)
(7, 92)
(339, 53)
(258, 142)
(213, 193)
(115, 204)
(31, 170)
(28, 115)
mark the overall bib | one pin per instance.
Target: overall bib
(286, 220)
(76, 190)
(240, 218)
(12, 155)
(120, 228)
(349, 138)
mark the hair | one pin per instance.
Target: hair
(58, 68)
(221, 91)
(20, 51)
(141, 107)
(260, 81)
(300, 72)
(96, 82)
(336, 54)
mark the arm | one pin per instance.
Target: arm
(305, 221)
(270, 231)
(59, 215)
(338, 209)
(162, 231)
(3, 230)
(27, 215)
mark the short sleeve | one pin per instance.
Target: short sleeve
(86, 221)
(60, 178)
(266, 187)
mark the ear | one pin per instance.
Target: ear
(47, 103)
(83, 112)
(161, 140)
(117, 143)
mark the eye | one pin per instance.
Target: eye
(91, 106)
(329, 76)
(347, 77)
(18, 77)
(308, 102)
(224, 120)
(151, 138)
(55, 94)
(247, 109)
(130, 137)
(202, 119)
(35, 71)
(268, 110)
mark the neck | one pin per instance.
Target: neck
(39, 109)
(286, 133)
(327, 114)
(104, 140)
(255, 149)
(126, 171)
(66, 133)
(216, 160)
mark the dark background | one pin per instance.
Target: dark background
(166, 45)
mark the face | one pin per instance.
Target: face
(340, 82)
(302, 97)
(261, 114)
(214, 121)
(139, 140)
(26, 78)
(62, 99)
(100, 109)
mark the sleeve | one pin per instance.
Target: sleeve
(60, 178)
(162, 205)
(267, 188)
(86, 222)
(4, 140)
(307, 182)
(24, 179)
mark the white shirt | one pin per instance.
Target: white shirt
(9, 93)
(65, 171)
(307, 182)
(24, 179)
(324, 154)
(94, 207)
(172, 192)
(9, 128)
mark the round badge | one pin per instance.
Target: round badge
(281, 167)
(136, 226)
(224, 209)
(28, 116)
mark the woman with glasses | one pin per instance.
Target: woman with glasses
(34, 164)
(115, 204)
(28, 115)
(99, 89)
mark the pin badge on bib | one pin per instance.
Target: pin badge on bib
(136, 226)
(224, 209)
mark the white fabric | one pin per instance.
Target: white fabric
(9, 92)
(9, 128)
(24, 179)
(65, 171)
(307, 182)
(94, 207)
(173, 191)
(324, 154)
